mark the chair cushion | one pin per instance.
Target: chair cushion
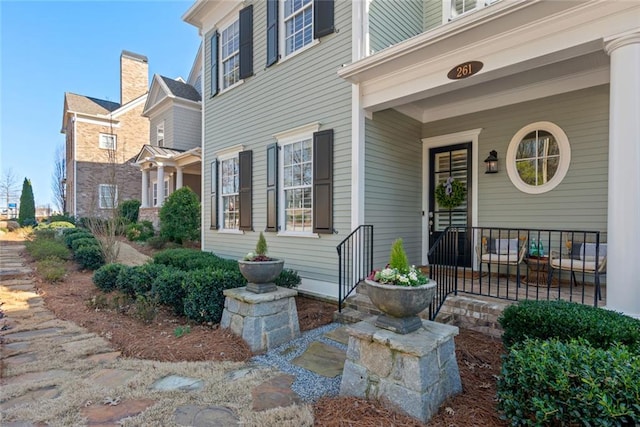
(503, 246)
(574, 264)
(510, 258)
(588, 252)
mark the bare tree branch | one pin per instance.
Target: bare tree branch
(59, 180)
(9, 186)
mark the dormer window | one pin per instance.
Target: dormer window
(160, 134)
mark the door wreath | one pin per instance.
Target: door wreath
(450, 194)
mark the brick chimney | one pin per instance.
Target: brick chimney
(134, 76)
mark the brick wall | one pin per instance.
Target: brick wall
(134, 76)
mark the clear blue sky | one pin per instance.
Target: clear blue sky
(48, 48)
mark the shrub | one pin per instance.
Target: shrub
(191, 259)
(139, 279)
(288, 279)
(89, 257)
(44, 233)
(56, 224)
(146, 308)
(156, 242)
(65, 218)
(141, 231)
(180, 216)
(168, 287)
(105, 277)
(204, 300)
(565, 320)
(398, 257)
(51, 269)
(41, 249)
(557, 383)
(84, 241)
(69, 235)
(129, 210)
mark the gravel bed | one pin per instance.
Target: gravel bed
(308, 385)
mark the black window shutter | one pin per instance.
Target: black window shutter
(322, 18)
(272, 187)
(272, 32)
(323, 181)
(214, 195)
(214, 64)
(246, 42)
(246, 193)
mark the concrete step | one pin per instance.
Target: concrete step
(349, 315)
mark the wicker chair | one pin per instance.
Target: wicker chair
(509, 252)
(581, 260)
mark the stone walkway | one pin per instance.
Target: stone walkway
(54, 372)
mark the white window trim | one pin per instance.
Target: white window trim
(563, 165)
(115, 198)
(281, 35)
(115, 141)
(284, 138)
(158, 127)
(230, 153)
(223, 25)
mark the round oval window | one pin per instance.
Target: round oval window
(538, 157)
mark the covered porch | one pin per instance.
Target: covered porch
(559, 107)
(164, 171)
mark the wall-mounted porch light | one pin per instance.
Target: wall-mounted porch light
(491, 162)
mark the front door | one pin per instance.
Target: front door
(450, 161)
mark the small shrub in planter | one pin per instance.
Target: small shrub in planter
(105, 278)
(89, 257)
(42, 248)
(84, 241)
(565, 320)
(168, 287)
(569, 383)
(139, 279)
(204, 300)
(51, 269)
(288, 279)
(140, 231)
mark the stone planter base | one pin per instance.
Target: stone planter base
(415, 372)
(263, 320)
(261, 288)
(399, 325)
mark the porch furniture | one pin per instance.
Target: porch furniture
(538, 267)
(581, 259)
(509, 252)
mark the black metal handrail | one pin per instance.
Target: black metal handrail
(355, 261)
(443, 267)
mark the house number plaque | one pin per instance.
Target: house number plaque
(465, 70)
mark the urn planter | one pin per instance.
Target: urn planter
(260, 275)
(400, 305)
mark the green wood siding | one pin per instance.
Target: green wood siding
(393, 183)
(187, 128)
(392, 21)
(579, 202)
(432, 16)
(301, 90)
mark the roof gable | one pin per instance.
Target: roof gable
(164, 87)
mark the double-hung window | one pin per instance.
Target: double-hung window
(293, 25)
(300, 182)
(108, 195)
(298, 25)
(232, 51)
(160, 134)
(231, 190)
(229, 193)
(107, 141)
(230, 55)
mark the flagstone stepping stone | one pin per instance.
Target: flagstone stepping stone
(274, 393)
(30, 397)
(176, 382)
(201, 416)
(110, 415)
(23, 424)
(339, 335)
(103, 357)
(37, 376)
(112, 378)
(18, 345)
(323, 359)
(35, 333)
(20, 359)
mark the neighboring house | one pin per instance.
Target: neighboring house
(321, 116)
(102, 140)
(171, 158)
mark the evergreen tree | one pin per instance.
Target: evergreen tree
(27, 215)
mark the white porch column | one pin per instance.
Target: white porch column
(160, 185)
(145, 188)
(178, 177)
(623, 225)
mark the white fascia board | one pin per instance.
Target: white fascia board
(130, 105)
(205, 14)
(95, 120)
(507, 53)
(196, 67)
(157, 85)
